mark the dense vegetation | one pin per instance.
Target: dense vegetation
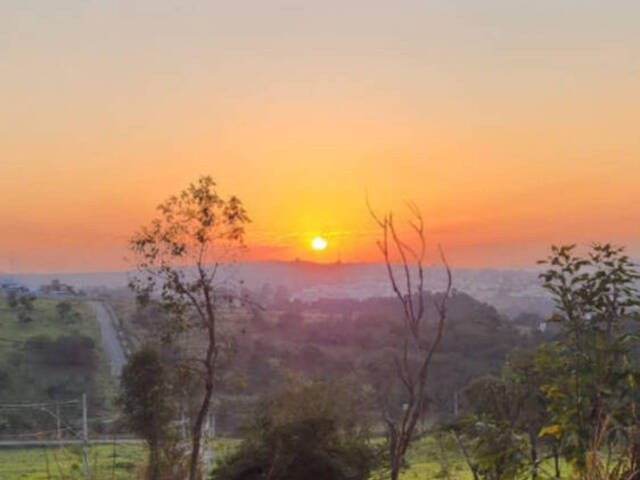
(502, 396)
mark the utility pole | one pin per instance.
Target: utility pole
(58, 429)
(213, 439)
(85, 437)
(208, 453)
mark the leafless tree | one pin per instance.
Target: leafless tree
(411, 362)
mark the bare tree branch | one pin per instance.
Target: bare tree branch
(401, 431)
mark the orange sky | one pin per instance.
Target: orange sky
(513, 125)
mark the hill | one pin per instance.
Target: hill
(50, 352)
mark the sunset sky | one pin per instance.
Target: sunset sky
(512, 124)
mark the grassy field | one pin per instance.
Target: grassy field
(34, 369)
(45, 321)
(429, 459)
(107, 462)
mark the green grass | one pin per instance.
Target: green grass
(45, 321)
(66, 463)
(26, 377)
(427, 460)
(431, 458)
(439, 458)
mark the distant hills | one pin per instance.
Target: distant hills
(512, 291)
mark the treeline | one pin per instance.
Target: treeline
(295, 343)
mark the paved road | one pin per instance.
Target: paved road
(109, 337)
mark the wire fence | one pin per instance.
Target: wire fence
(68, 444)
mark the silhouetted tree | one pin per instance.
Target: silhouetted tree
(179, 256)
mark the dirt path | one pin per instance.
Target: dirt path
(109, 337)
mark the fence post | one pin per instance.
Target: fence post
(58, 426)
(85, 437)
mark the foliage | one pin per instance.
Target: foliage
(22, 303)
(497, 451)
(503, 420)
(64, 351)
(303, 432)
(521, 372)
(591, 380)
(12, 299)
(65, 310)
(147, 407)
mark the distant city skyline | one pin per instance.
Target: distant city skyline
(512, 125)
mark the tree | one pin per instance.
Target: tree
(498, 410)
(591, 385)
(497, 452)
(26, 300)
(313, 431)
(415, 353)
(494, 449)
(64, 308)
(23, 304)
(146, 404)
(179, 256)
(525, 380)
(12, 299)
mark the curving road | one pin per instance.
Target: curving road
(109, 337)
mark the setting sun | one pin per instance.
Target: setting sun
(319, 243)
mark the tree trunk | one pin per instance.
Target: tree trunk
(197, 427)
(395, 468)
(210, 364)
(395, 458)
(533, 442)
(153, 470)
(556, 460)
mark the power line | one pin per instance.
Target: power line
(38, 405)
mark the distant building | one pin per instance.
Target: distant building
(58, 289)
(12, 287)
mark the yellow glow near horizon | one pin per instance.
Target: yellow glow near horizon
(512, 127)
(319, 243)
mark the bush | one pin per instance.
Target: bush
(64, 351)
(292, 438)
(148, 410)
